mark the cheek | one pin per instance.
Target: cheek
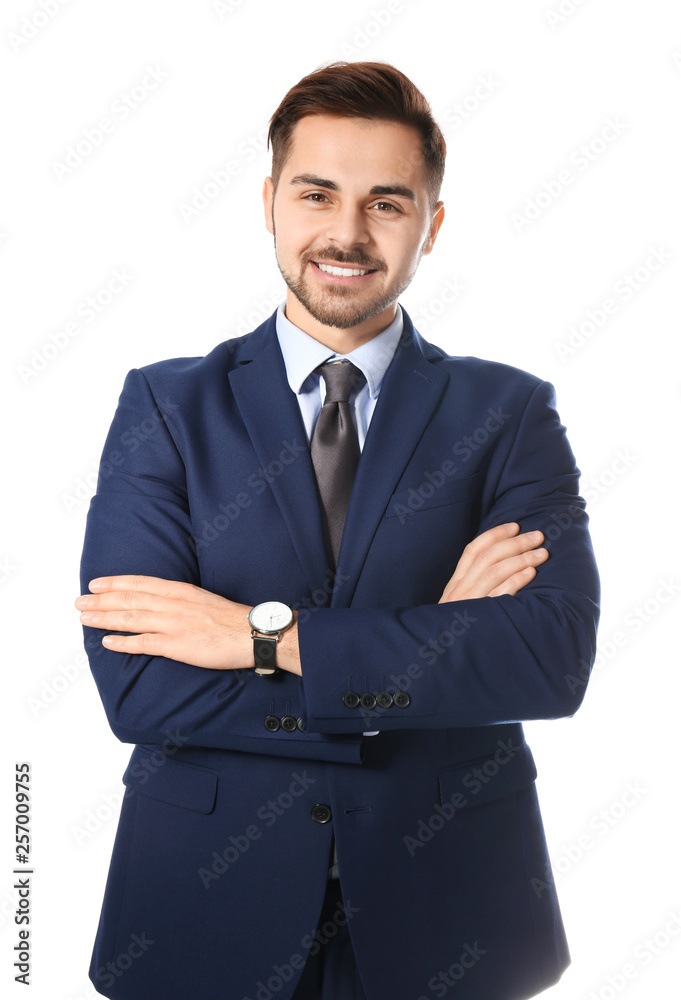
(401, 261)
(295, 236)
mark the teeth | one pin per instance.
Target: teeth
(342, 272)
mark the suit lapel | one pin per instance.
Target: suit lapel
(271, 413)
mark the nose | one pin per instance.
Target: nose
(347, 227)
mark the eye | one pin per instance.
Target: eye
(314, 194)
(388, 205)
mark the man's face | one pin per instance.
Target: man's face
(352, 194)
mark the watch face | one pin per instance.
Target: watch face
(270, 617)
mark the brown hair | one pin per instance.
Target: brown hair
(371, 90)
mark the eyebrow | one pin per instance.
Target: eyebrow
(397, 190)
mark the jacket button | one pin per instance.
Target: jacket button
(351, 699)
(272, 723)
(288, 723)
(299, 723)
(368, 700)
(384, 699)
(320, 813)
(402, 699)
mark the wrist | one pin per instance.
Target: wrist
(274, 648)
(288, 649)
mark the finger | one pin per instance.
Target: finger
(143, 584)
(130, 620)
(515, 582)
(489, 580)
(509, 548)
(480, 543)
(161, 645)
(121, 600)
(154, 585)
(497, 574)
(152, 645)
(497, 533)
(484, 567)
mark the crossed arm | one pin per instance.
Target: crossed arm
(184, 622)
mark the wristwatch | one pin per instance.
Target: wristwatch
(268, 621)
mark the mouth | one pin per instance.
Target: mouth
(344, 273)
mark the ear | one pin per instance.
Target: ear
(268, 203)
(438, 218)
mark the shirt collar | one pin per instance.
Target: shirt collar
(302, 353)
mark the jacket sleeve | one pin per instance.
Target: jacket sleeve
(139, 523)
(484, 661)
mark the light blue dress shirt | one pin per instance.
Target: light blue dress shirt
(302, 354)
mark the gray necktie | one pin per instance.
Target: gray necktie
(335, 449)
(335, 453)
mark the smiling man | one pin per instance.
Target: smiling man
(321, 597)
(348, 247)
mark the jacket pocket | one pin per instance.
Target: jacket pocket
(158, 776)
(426, 495)
(477, 782)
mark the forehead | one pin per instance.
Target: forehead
(358, 149)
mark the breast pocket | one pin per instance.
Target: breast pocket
(427, 494)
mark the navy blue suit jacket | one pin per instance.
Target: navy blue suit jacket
(220, 861)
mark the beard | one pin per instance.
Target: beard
(342, 306)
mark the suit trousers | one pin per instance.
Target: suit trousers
(331, 972)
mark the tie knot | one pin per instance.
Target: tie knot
(341, 378)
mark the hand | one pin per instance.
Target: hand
(499, 561)
(177, 620)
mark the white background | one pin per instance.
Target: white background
(533, 85)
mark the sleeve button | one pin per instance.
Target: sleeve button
(351, 699)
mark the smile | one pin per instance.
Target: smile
(336, 272)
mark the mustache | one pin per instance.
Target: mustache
(353, 259)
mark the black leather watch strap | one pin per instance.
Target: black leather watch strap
(264, 652)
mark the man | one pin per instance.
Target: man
(321, 598)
